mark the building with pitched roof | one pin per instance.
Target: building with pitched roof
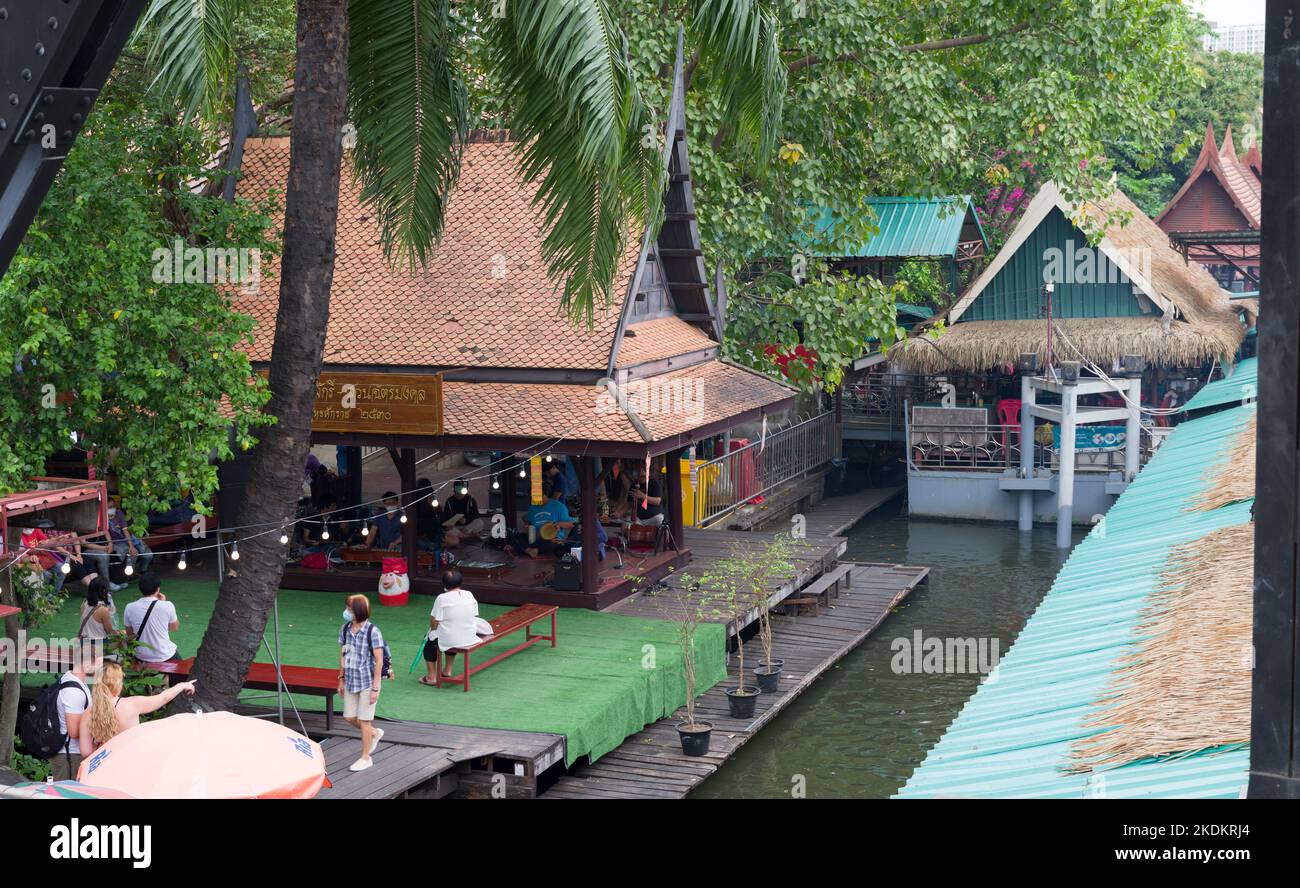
(1214, 217)
(481, 329)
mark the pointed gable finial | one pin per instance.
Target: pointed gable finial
(677, 103)
(1209, 145)
(1229, 150)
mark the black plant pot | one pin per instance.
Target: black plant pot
(775, 663)
(769, 679)
(741, 701)
(695, 742)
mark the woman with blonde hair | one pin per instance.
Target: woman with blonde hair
(111, 713)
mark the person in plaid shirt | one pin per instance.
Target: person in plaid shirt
(361, 664)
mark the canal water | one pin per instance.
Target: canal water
(861, 730)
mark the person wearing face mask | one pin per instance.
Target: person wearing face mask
(361, 669)
(126, 545)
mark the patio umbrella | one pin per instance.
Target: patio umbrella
(67, 789)
(214, 755)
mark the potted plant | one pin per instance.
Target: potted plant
(729, 588)
(773, 564)
(686, 615)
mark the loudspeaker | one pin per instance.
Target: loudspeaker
(568, 575)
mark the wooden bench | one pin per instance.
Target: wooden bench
(819, 592)
(522, 617)
(310, 680)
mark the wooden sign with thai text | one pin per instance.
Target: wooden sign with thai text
(378, 403)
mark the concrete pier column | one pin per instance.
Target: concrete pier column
(1026, 516)
(1133, 430)
(1065, 480)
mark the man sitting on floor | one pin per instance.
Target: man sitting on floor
(386, 530)
(459, 517)
(556, 514)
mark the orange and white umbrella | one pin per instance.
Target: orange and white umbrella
(212, 755)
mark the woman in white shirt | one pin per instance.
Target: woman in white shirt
(452, 624)
(97, 612)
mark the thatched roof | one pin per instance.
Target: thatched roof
(1196, 321)
(1195, 648)
(980, 345)
(1186, 685)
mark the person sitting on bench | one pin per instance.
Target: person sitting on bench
(648, 500)
(453, 623)
(459, 517)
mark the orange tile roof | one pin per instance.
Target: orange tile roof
(484, 299)
(661, 338)
(668, 404)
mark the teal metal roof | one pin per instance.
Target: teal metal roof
(909, 228)
(1242, 385)
(1013, 737)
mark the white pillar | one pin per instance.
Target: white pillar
(1065, 480)
(1133, 430)
(1027, 399)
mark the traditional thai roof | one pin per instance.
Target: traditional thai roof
(1221, 193)
(485, 312)
(1174, 312)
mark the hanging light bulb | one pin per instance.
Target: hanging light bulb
(234, 551)
(402, 518)
(365, 529)
(522, 472)
(180, 564)
(548, 457)
(65, 568)
(435, 502)
(496, 485)
(128, 570)
(284, 537)
(325, 534)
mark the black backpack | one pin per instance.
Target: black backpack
(40, 728)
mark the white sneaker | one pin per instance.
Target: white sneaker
(360, 764)
(374, 741)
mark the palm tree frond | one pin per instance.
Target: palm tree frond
(586, 139)
(742, 40)
(408, 104)
(191, 45)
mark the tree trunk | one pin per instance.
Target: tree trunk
(249, 588)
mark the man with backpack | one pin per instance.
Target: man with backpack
(364, 661)
(52, 725)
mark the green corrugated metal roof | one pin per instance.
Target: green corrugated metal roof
(1241, 385)
(1013, 737)
(909, 227)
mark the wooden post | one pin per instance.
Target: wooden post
(352, 489)
(673, 495)
(1275, 711)
(590, 515)
(410, 530)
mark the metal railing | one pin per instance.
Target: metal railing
(996, 448)
(880, 402)
(724, 484)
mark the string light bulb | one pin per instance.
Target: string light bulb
(435, 502)
(65, 568)
(548, 457)
(325, 534)
(496, 485)
(128, 570)
(522, 472)
(403, 518)
(284, 537)
(234, 551)
(180, 563)
(365, 530)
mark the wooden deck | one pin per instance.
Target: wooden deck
(650, 764)
(815, 556)
(836, 515)
(417, 760)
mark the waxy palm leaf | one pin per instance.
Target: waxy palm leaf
(191, 46)
(586, 137)
(407, 103)
(741, 40)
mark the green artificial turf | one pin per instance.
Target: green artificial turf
(609, 676)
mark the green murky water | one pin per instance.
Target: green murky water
(861, 730)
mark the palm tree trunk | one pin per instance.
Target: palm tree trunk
(248, 591)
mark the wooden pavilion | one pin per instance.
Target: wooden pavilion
(473, 352)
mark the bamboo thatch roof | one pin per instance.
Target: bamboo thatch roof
(1197, 321)
(1186, 686)
(981, 345)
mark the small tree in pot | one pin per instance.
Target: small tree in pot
(729, 591)
(774, 563)
(686, 612)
